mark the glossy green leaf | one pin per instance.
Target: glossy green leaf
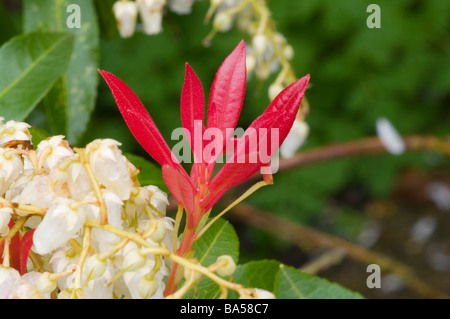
(150, 173)
(294, 284)
(256, 274)
(38, 135)
(29, 66)
(220, 239)
(71, 101)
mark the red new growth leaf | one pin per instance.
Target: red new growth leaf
(251, 152)
(139, 121)
(192, 103)
(19, 249)
(227, 92)
(278, 118)
(181, 188)
(24, 250)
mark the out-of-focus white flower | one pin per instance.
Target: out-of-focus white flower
(52, 151)
(389, 136)
(274, 90)
(263, 294)
(222, 21)
(62, 222)
(295, 139)
(5, 217)
(13, 130)
(423, 229)
(250, 63)
(10, 168)
(38, 192)
(226, 4)
(9, 279)
(126, 16)
(181, 6)
(439, 193)
(151, 12)
(26, 288)
(259, 43)
(110, 166)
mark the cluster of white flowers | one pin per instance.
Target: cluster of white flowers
(151, 14)
(82, 205)
(267, 50)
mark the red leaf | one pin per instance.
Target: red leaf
(192, 103)
(139, 121)
(24, 250)
(227, 92)
(13, 249)
(182, 189)
(246, 160)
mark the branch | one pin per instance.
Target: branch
(365, 146)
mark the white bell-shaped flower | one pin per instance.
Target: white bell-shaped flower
(78, 182)
(158, 198)
(151, 12)
(133, 278)
(389, 136)
(5, 217)
(52, 151)
(13, 130)
(139, 265)
(62, 222)
(10, 168)
(263, 294)
(181, 6)
(38, 192)
(13, 193)
(104, 240)
(9, 279)
(125, 13)
(26, 288)
(110, 166)
(295, 139)
(99, 288)
(62, 259)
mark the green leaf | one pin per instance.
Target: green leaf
(7, 25)
(71, 101)
(38, 135)
(107, 21)
(150, 173)
(294, 284)
(29, 66)
(220, 239)
(256, 274)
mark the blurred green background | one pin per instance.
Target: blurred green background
(400, 71)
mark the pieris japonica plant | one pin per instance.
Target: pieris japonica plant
(76, 222)
(197, 192)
